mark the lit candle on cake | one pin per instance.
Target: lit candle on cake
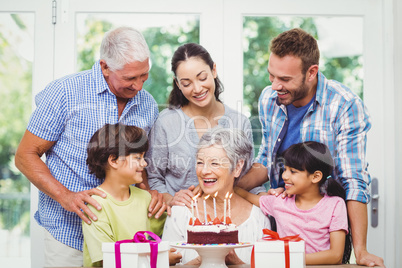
(230, 196)
(196, 206)
(205, 209)
(224, 208)
(192, 209)
(215, 205)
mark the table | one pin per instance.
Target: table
(248, 266)
(308, 266)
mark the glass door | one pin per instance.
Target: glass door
(165, 25)
(229, 30)
(347, 34)
(19, 79)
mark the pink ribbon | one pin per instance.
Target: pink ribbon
(139, 237)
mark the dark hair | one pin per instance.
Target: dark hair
(296, 42)
(116, 140)
(312, 156)
(183, 53)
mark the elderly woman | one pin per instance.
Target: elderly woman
(223, 156)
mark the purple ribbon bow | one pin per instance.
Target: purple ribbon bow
(139, 237)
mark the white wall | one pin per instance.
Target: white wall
(398, 111)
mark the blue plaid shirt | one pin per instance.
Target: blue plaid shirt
(69, 111)
(337, 118)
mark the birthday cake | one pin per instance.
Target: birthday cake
(216, 232)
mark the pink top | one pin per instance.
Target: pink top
(313, 225)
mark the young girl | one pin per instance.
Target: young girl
(116, 157)
(315, 210)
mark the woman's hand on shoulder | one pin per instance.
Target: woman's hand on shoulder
(183, 197)
(157, 206)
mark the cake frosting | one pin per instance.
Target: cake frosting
(212, 232)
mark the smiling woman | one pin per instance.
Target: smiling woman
(195, 108)
(223, 155)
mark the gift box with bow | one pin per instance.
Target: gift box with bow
(137, 252)
(278, 252)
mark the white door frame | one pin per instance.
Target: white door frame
(211, 27)
(397, 33)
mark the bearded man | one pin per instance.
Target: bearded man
(303, 105)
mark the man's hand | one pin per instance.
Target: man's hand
(77, 202)
(368, 259)
(278, 191)
(183, 197)
(157, 205)
(357, 214)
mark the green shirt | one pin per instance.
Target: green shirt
(118, 220)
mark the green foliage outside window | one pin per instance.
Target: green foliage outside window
(15, 103)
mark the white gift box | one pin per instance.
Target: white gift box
(272, 254)
(135, 255)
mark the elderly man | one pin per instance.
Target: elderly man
(69, 111)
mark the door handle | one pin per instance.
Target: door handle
(374, 202)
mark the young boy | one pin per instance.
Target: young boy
(116, 157)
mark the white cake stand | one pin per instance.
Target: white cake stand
(212, 255)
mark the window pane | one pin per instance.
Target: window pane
(340, 40)
(163, 33)
(16, 56)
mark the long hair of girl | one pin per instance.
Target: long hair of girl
(312, 156)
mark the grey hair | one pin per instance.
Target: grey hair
(123, 45)
(235, 143)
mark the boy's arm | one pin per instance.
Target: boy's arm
(331, 256)
(252, 198)
(158, 224)
(95, 234)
